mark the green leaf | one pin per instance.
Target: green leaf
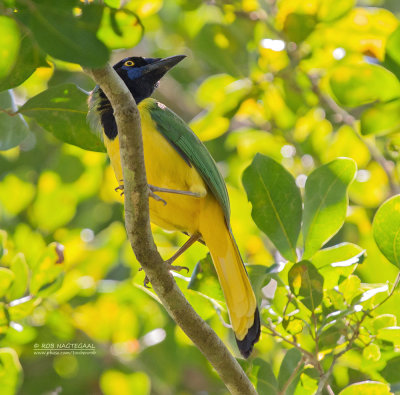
(386, 229)
(259, 276)
(306, 283)
(393, 46)
(9, 44)
(367, 388)
(358, 84)
(22, 308)
(384, 321)
(299, 26)
(47, 274)
(4, 321)
(350, 288)
(329, 11)
(137, 383)
(276, 203)
(13, 128)
(372, 352)
(6, 279)
(29, 58)
(266, 381)
(382, 118)
(62, 110)
(10, 371)
(325, 202)
(205, 280)
(220, 44)
(120, 28)
(65, 36)
(288, 365)
(338, 262)
(21, 272)
(391, 334)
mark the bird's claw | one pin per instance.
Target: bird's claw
(176, 268)
(156, 197)
(120, 187)
(170, 267)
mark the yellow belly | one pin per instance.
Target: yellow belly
(165, 168)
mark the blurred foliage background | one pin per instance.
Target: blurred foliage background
(300, 81)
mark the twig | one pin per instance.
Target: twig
(137, 224)
(292, 377)
(294, 344)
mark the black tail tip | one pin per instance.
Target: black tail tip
(246, 345)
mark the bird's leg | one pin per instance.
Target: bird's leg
(193, 238)
(153, 189)
(167, 190)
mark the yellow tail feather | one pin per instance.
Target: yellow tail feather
(239, 295)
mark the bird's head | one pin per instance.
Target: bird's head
(141, 75)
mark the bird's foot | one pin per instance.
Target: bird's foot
(175, 268)
(170, 267)
(120, 187)
(154, 196)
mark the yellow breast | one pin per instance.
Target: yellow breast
(165, 168)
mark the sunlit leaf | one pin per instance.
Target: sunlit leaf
(331, 10)
(13, 128)
(276, 203)
(10, 372)
(386, 228)
(47, 273)
(306, 283)
(384, 321)
(22, 308)
(113, 382)
(6, 279)
(367, 388)
(372, 352)
(325, 202)
(20, 200)
(21, 272)
(120, 28)
(350, 288)
(209, 126)
(390, 334)
(338, 261)
(62, 110)
(212, 90)
(358, 84)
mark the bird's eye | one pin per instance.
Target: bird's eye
(129, 63)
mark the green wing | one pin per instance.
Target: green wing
(175, 130)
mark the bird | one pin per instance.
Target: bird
(189, 192)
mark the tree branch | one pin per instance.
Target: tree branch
(137, 225)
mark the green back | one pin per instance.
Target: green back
(175, 130)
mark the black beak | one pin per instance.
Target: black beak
(160, 67)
